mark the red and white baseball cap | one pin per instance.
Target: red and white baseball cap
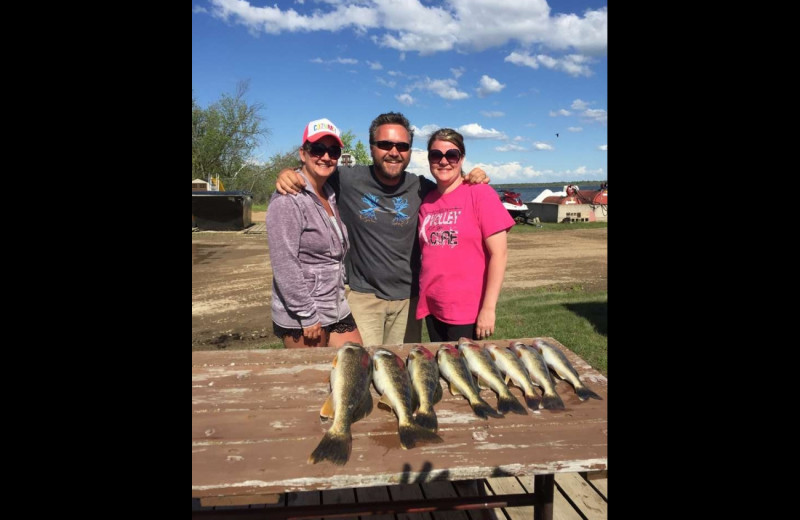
(315, 130)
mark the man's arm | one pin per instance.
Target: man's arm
(476, 176)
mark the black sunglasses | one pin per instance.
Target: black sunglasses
(388, 145)
(452, 156)
(319, 149)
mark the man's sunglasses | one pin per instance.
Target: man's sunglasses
(452, 156)
(319, 149)
(388, 145)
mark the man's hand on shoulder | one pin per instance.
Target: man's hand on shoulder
(476, 176)
(289, 181)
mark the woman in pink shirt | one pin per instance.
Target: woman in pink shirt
(462, 236)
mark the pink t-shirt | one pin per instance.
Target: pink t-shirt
(451, 232)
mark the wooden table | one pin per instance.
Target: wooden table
(255, 420)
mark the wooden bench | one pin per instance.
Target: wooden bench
(255, 419)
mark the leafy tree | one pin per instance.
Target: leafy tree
(358, 151)
(225, 134)
(361, 155)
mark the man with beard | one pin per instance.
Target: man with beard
(379, 204)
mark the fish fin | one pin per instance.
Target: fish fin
(584, 393)
(364, 407)
(327, 410)
(385, 404)
(483, 384)
(532, 401)
(334, 447)
(454, 390)
(414, 400)
(427, 419)
(483, 409)
(437, 394)
(411, 433)
(552, 402)
(509, 403)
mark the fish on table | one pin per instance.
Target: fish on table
(453, 368)
(483, 368)
(514, 371)
(539, 374)
(561, 366)
(392, 381)
(424, 373)
(349, 400)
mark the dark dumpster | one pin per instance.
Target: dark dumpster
(222, 210)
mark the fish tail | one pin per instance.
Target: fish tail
(509, 403)
(427, 419)
(334, 447)
(483, 409)
(532, 401)
(584, 393)
(552, 402)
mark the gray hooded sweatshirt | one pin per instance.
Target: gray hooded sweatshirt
(307, 257)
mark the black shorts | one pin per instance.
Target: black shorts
(346, 324)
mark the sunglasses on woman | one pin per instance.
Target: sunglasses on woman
(319, 149)
(452, 156)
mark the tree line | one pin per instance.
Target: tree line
(225, 135)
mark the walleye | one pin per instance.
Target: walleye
(539, 373)
(392, 381)
(350, 400)
(424, 374)
(480, 364)
(454, 369)
(512, 368)
(557, 361)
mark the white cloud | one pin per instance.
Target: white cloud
(597, 115)
(444, 88)
(476, 131)
(489, 86)
(405, 99)
(510, 148)
(425, 131)
(573, 64)
(374, 65)
(459, 25)
(579, 104)
(518, 138)
(538, 145)
(492, 113)
(386, 83)
(603, 147)
(560, 112)
(575, 129)
(457, 73)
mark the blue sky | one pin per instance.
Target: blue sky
(508, 75)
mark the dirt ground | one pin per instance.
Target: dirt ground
(232, 278)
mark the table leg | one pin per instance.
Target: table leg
(543, 487)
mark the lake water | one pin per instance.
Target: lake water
(528, 194)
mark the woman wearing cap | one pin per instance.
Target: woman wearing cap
(462, 236)
(307, 245)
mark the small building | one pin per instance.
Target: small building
(201, 185)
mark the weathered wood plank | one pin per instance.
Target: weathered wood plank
(507, 486)
(586, 499)
(408, 492)
(562, 509)
(255, 420)
(340, 496)
(443, 489)
(304, 498)
(374, 494)
(475, 488)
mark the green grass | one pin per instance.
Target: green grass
(556, 226)
(259, 207)
(576, 318)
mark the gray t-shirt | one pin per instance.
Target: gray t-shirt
(382, 224)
